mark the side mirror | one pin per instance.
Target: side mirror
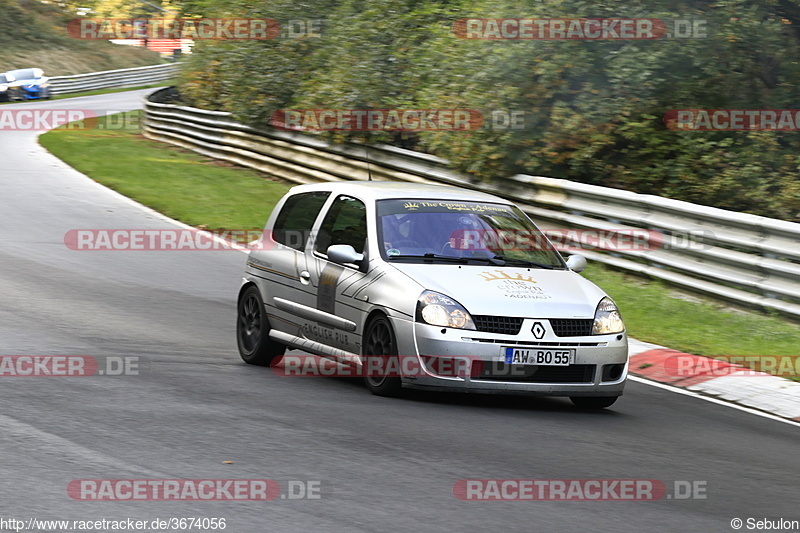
(576, 263)
(343, 253)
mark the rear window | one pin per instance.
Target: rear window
(294, 222)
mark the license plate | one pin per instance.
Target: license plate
(539, 356)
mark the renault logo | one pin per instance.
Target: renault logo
(538, 330)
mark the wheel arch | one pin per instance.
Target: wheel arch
(374, 314)
(246, 285)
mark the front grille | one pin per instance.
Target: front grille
(499, 371)
(572, 327)
(504, 325)
(510, 325)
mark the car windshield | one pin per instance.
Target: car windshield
(3, 78)
(444, 231)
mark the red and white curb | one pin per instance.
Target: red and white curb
(729, 382)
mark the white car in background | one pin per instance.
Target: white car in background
(451, 278)
(31, 83)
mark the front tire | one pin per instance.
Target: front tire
(379, 342)
(593, 402)
(252, 330)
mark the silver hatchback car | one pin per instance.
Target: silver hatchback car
(428, 287)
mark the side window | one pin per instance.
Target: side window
(294, 222)
(345, 223)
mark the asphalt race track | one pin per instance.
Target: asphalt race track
(379, 464)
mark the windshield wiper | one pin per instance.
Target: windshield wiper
(522, 262)
(498, 260)
(432, 257)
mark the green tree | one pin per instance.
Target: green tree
(594, 110)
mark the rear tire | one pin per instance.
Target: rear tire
(379, 342)
(252, 331)
(593, 402)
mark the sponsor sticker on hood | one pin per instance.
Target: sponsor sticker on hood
(517, 285)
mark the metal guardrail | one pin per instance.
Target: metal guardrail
(745, 259)
(127, 77)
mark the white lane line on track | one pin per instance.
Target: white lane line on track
(134, 203)
(713, 400)
(49, 445)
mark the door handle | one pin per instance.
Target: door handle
(305, 277)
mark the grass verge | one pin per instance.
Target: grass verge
(181, 184)
(204, 192)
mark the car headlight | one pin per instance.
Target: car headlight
(439, 310)
(3, 88)
(607, 318)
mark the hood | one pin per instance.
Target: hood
(510, 291)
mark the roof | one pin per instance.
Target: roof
(22, 74)
(382, 190)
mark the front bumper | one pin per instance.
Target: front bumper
(600, 367)
(35, 92)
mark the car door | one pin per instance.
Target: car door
(279, 266)
(340, 311)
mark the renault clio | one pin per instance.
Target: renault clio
(365, 271)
